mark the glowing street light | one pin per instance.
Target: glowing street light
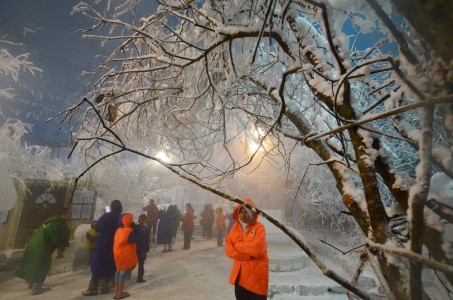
(253, 147)
(163, 156)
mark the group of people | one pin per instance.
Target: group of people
(164, 224)
(121, 245)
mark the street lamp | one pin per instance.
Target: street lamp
(163, 156)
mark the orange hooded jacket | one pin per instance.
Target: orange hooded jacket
(125, 250)
(248, 248)
(220, 220)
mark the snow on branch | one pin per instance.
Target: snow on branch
(11, 66)
(435, 265)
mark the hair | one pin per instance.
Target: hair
(171, 208)
(142, 216)
(116, 206)
(64, 210)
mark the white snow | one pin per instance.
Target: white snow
(199, 273)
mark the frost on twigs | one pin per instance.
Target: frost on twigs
(230, 89)
(30, 161)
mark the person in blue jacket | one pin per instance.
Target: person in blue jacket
(164, 228)
(103, 267)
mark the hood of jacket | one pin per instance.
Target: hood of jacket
(126, 220)
(236, 212)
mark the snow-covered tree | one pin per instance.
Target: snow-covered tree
(11, 66)
(12, 130)
(225, 84)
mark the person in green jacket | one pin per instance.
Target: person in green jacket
(35, 264)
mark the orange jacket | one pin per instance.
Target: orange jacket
(220, 221)
(249, 251)
(124, 246)
(187, 222)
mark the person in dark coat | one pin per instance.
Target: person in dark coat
(164, 228)
(151, 215)
(35, 263)
(176, 222)
(142, 235)
(103, 267)
(230, 222)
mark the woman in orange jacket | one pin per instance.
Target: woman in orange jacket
(246, 244)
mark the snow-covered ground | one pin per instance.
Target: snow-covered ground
(199, 273)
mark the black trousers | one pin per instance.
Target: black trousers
(187, 238)
(243, 294)
(141, 269)
(209, 232)
(152, 231)
(220, 237)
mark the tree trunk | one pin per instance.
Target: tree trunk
(433, 20)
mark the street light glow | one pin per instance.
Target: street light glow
(163, 156)
(253, 147)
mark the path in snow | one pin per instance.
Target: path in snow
(199, 273)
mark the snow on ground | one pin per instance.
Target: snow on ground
(199, 273)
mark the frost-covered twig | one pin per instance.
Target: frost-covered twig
(435, 265)
(395, 111)
(341, 251)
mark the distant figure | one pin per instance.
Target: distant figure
(103, 267)
(230, 222)
(151, 214)
(164, 228)
(221, 226)
(188, 225)
(246, 245)
(207, 221)
(176, 222)
(142, 234)
(125, 254)
(35, 263)
(92, 237)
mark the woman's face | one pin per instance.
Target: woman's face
(244, 217)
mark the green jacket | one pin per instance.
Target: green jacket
(35, 264)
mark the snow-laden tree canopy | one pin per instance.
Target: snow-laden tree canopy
(221, 85)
